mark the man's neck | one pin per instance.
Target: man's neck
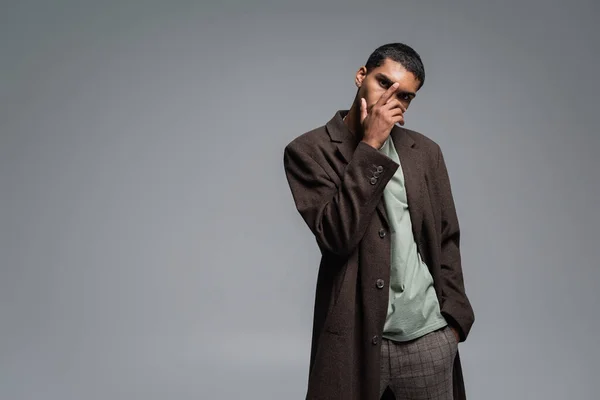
(351, 120)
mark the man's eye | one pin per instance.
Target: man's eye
(384, 83)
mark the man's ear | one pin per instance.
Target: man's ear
(360, 76)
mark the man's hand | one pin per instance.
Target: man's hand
(378, 122)
(455, 333)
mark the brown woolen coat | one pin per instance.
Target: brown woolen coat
(338, 193)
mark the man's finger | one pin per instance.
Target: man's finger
(399, 119)
(395, 103)
(387, 94)
(396, 112)
(363, 109)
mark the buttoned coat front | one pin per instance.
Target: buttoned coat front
(337, 184)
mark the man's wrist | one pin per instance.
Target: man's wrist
(372, 143)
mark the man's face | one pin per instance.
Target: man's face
(373, 85)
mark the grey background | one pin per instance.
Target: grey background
(149, 244)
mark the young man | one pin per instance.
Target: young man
(390, 305)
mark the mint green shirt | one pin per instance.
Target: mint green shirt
(413, 309)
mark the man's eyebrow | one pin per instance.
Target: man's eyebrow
(391, 82)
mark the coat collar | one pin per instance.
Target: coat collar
(411, 158)
(347, 141)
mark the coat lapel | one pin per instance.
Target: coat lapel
(411, 159)
(339, 133)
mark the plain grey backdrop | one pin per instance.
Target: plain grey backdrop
(149, 245)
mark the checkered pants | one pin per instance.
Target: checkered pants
(419, 369)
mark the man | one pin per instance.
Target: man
(390, 304)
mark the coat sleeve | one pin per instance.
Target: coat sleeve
(337, 212)
(455, 306)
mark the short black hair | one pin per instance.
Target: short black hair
(400, 53)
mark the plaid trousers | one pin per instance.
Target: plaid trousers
(419, 369)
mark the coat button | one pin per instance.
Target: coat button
(375, 339)
(381, 232)
(373, 180)
(380, 284)
(379, 168)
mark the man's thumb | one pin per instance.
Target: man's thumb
(363, 109)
